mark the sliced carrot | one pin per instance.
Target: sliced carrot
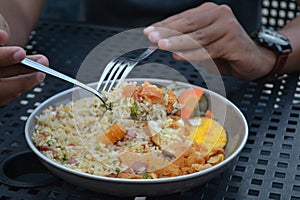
(189, 98)
(113, 134)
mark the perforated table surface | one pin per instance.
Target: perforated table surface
(267, 168)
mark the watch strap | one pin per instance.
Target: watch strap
(279, 65)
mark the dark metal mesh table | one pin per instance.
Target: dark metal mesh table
(267, 168)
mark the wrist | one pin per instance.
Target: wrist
(277, 43)
(268, 61)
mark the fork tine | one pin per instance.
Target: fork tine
(121, 65)
(126, 72)
(106, 71)
(112, 73)
(121, 68)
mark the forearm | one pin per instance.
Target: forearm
(21, 17)
(291, 30)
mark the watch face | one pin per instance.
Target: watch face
(273, 37)
(273, 41)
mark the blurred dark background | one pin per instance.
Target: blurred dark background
(138, 13)
(124, 13)
(67, 10)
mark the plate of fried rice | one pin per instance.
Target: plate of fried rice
(154, 137)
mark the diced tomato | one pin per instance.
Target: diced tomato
(45, 148)
(143, 145)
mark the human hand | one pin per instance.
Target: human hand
(214, 28)
(15, 78)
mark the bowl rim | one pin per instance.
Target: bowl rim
(225, 162)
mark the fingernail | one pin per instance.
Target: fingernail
(165, 42)
(154, 36)
(41, 60)
(19, 55)
(40, 76)
(179, 54)
(148, 29)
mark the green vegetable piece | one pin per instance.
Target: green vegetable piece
(152, 167)
(134, 110)
(102, 105)
(145, 175)
(50, 142)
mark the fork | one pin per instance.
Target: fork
(47, 70)
(121, 64)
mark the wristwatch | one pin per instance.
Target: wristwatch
(277, 43)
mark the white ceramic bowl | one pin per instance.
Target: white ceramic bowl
(233, 121)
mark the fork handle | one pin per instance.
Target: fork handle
(47, 70)
(147, 53)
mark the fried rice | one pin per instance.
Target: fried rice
(141, 135)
